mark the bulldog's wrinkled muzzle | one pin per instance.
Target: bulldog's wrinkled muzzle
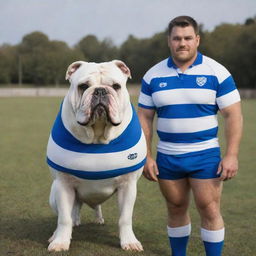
(100, 103)
(100, 108)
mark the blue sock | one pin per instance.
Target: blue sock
(213, 241)
(178, 238)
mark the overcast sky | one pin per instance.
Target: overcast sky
(71, 20)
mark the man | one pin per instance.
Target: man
(186, 91)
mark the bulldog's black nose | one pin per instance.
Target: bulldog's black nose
(100, 91)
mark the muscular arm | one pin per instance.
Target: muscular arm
(146, 117)
(233, 133)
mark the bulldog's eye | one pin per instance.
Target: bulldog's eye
(116, 86)
(83, 87)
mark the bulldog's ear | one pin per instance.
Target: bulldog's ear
(120, 64)
(73, 68)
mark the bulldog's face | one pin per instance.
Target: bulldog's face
(98, 91)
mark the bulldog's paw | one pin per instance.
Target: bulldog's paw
(57, 246)
(99, 220)
(136, 246)
(76, 222)
(52, 237)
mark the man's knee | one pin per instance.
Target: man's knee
(177, 207)
(210, 211)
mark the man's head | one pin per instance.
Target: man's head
(183, 21)
(183, 39)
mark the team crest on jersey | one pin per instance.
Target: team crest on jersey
(201, 80)
(162, 85)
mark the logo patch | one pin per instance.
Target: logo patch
(132, 156)
(162, 85)
(201, 80)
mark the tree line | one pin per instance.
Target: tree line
(39, 61)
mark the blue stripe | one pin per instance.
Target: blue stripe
(186, 110)
(188, 137)
(96, 175)
(213, 248)
(183, 81)
(66, 140)
(228, 85)
(145, 88)
(144, 106)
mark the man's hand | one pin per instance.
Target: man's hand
(228, 167)
(150, 170)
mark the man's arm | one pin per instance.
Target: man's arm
(233, 133)
(146, 117)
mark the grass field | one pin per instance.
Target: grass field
(27, 220)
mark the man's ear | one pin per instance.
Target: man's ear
(120, 64)
(73, 68)
(198, 40)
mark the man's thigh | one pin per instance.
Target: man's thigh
(175, 192)
(206, 191)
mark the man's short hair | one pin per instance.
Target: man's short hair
(183, 21)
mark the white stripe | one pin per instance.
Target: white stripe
(217, 69)
(212, 236)
(161, 69)
(169, 148)
(200, 70)
(187, 125)
(179, 231)
(209, 67)
(146, 100)
(228, 99)
(95, 162)
(184, 96)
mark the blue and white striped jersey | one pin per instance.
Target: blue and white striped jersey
(187, 103)
(126, 153)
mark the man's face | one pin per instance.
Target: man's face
(183, 43)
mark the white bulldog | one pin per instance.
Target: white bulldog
(96, 148)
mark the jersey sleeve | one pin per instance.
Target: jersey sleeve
(145, 97)
(227, 93)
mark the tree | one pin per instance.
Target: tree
(7, 63)
(28, 56)
(244, 57)
(234, 47)
(96, 51)
(250, 21)
(43, 61)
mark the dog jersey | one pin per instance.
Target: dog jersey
(187, 103)
(126, 153)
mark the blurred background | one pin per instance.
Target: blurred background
(39, 39)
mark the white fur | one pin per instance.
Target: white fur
(69, 192)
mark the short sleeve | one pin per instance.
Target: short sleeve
(227, 93)
(145, 98)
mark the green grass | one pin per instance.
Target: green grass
(27, 220)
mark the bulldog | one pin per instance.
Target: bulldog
(96, 148)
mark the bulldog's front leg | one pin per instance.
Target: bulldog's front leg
(126, 199)
(62, 200)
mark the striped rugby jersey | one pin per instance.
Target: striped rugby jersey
(187, 103)
(126, 153)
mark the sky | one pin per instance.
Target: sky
(71, 20)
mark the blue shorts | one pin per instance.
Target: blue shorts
(203, 165)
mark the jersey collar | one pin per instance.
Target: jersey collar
(198, 60)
